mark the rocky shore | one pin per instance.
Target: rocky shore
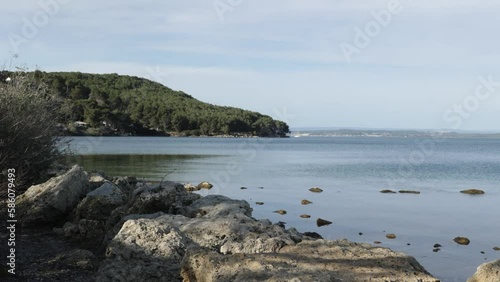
(81, 226)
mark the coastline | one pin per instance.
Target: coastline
(129, 217)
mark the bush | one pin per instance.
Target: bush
(28, 129)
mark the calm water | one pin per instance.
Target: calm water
(351, 171)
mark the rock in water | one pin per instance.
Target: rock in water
(390, 236)
(259, 203)
(53, 200)
(487, 272)
(191, 187)
(205, 185)
(305, 202)
(316, 190)
(388, 192)
(282, 212)
(462, 240)
(472, 192)
(305, 216)
(496, 248)
(409, 192)
(321, 222)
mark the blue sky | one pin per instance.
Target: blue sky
(420, 67)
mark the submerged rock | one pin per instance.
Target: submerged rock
(53, 200)
(388, 191)
(390, 236)
(259, 203)
(191, 187)
(318, 260)
(487, 272)
(472, 192)
(205, 185)
(322, 222)
(462, 240)
(496, 248)
(316, 190)
(305, 202)
(409, 192)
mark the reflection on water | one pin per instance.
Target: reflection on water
(148, 167)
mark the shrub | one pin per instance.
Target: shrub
(28, 129)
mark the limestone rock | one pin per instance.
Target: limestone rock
(472, 192)
(316, 190)
(487, 272)
(317, 260)
(462, 240)
(217, 206)
(191, 187)
(168, 197)
(96, 179)
(282, 212)
(144, 250)
(205, 185)
(99, 203)
(53, 200)
(390, 236)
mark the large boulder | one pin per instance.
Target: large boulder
(99, 203)
(144, 250)
(226, 225)
(307, 261)
(487, 272)
(53, 200)
(167, 197)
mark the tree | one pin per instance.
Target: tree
(28, 129)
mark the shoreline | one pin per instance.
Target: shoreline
(213, 226)
(198, 226)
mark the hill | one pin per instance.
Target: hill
(112, 104)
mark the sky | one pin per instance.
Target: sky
(428, 64)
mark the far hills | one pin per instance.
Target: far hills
(112, 104)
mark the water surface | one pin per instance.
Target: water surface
(351, 171)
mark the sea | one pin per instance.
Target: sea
(351, 171)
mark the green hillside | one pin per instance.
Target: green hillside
(111, 104)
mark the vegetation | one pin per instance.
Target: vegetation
(28, 132)
(111, 104)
